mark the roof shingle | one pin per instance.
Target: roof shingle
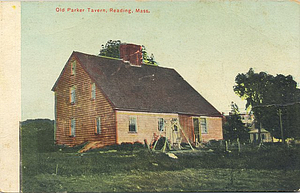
(145, 88)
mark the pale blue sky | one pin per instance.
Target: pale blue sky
(207, 42)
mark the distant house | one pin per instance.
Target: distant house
(122, 100)
(249, 121)
(264, 134)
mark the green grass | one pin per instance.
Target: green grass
(182, 180)
(132, 168)
(140, 170)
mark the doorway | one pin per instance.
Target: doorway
(197, 132)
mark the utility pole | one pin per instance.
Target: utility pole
(259, 135)
(281, 129)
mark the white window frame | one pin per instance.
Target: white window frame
(133, 121)
(203, 127)
(72, 127)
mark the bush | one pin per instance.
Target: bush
(121, 147)
(217, 146)
(129, 146)
(68, 149)
(37, 135)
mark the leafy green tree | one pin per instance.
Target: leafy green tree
(234, 128)
(112, 49)
(291, 120)
(272, 99)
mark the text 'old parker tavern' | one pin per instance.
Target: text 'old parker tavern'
(100, 10)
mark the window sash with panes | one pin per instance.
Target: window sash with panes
(72, 94)
(174, 120)
(73, 68)
(203, 125)
(98, 125)
(93, 91)
(132, 124)
(161, 124)
(73, 127)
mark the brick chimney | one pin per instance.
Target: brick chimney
(131, 53)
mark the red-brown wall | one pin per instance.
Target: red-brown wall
(187, 125)
(214, 128)
(85, 110)
(147, 126)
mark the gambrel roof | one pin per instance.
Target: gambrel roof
(144, 88)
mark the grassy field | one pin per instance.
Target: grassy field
(132, 168)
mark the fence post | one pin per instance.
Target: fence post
(239, 144)
(226, 146)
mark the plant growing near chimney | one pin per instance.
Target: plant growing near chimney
(112, 49)
(148, 60)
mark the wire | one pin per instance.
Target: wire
(277, 105)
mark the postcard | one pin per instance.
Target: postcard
(164, 96)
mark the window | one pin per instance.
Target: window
(161, 124)
(196, 126)
(72, 94)
(174, 121)
(196, 130)
(73, 67)
(73, 127)
(98, 125)
(93, 91)
(203, 125)
(132, 124)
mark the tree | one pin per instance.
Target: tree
(112, 49)
(234, 128)
(271, 99)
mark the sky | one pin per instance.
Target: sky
(207, 42)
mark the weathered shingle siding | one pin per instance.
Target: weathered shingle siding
(84, 111)
(147, 126)
(214, 129)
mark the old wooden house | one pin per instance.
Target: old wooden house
(122, 100)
